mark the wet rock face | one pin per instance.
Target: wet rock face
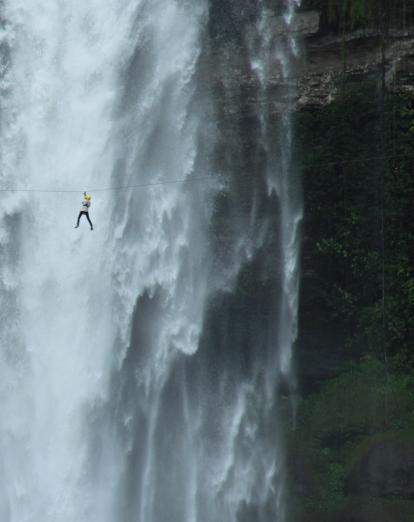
(233, 31)
(228, 18)
(386, 470)
(356, 56)
(328, 59)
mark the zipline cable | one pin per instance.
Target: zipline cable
(190, 179)
(107, 189)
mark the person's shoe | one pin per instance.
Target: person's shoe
(91, 228)
(77, 226)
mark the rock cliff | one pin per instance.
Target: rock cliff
(331, 59)
(328, 60)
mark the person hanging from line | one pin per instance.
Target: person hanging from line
(86, 203)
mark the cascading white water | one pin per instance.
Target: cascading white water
(117, 403)
(74, 291)
(272, 58)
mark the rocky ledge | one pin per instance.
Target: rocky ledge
(328, 60)
(332, 59)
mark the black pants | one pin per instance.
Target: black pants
(87, 217)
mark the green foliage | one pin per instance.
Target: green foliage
(357, 292)
(362, 406)
(346, 15)
(359, 192)
(330, 418)
(355, 12)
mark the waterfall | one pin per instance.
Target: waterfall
(275, 58)
(140, 362)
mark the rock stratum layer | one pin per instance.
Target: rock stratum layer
(329, 59)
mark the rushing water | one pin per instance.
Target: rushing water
(134, 384)
(276, 55)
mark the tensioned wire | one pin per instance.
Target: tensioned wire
(190, 179)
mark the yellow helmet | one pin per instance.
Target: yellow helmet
(88, 197)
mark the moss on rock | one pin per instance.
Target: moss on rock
(355, 438)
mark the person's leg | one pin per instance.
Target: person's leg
(88, 218)
(77, 224)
